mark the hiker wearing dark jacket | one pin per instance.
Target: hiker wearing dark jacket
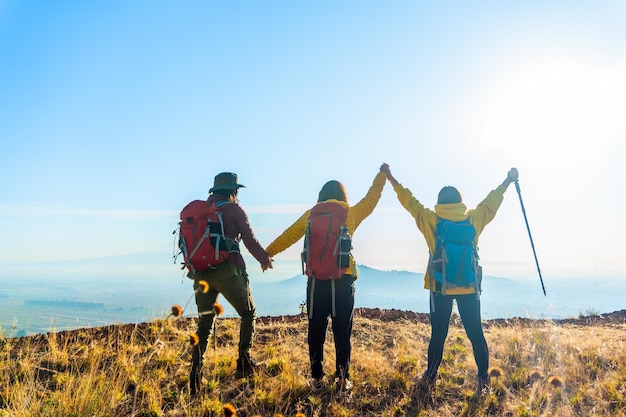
(450, 207)
(320, 303)
(229, 279)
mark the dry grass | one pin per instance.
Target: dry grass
(541, 368)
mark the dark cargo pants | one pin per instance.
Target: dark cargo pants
(232, 282)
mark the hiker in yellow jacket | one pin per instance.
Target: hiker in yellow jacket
(450, 207)
(320, 302)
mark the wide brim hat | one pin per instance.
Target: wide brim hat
(226, 181)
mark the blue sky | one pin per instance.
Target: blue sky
(114, 114)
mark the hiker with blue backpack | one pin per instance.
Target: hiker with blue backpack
(327, 229)
(453, 273)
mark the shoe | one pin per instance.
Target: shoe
(246, 366)
(427, 381)
(483, 384)
(425, 385)
(344, 384)
(317, 384)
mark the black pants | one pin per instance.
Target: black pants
(319, 304)
(469, 310)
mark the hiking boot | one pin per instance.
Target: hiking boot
(427, 381)
(343, 384)
(483, 385)
(424, 385)
(246, 366)
(317, 384)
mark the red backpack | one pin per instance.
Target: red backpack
(327, 243)
(201, 236)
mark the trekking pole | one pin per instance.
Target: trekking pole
(519, 193)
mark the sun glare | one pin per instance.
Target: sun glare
(557, 111)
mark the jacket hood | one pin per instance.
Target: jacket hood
(455, 212)
(332, 200)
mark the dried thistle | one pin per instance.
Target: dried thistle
(230, 410)
(194, 339)
(555, 381)
(203, 287)
(219, 310)
(535, 376)
(177, 311)
(496, 372)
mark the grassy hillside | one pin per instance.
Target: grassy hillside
(542, 368)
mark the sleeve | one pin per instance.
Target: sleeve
(366, 205)
(248, 237)
(425, 218)
(486, 209)
(290, 236)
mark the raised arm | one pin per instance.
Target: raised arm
(365, 207)
(387, 170)
(486, 209)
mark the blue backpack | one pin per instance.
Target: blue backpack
(454, 262)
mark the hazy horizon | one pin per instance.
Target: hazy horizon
(40, 303)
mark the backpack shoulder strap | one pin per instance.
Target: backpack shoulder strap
(232, 245)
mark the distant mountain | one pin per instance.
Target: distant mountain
(377, 281)
(366, 275)
(372, 285)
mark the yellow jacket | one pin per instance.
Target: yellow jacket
(356, 214)
(426, 219)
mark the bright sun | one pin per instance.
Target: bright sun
(554, 111)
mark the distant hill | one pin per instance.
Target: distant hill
(374, 288)
(370, 278)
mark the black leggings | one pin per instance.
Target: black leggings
(469, 310)
(319, 311)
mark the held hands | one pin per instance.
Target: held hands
(270, 265)
(384, 168)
